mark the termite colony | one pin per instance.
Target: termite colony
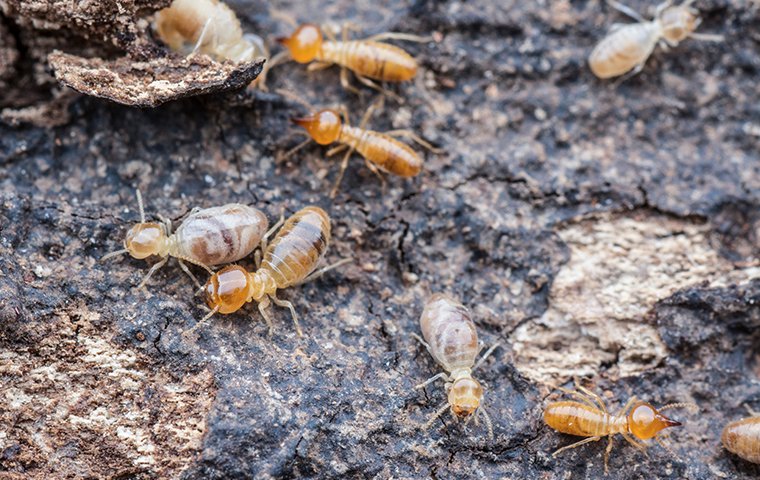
(221, 235)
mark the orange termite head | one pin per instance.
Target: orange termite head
(145, 239)
(678, 23)
(323, 126)
(645, 422)
(227, 289)
(465, 396)
(304, 44)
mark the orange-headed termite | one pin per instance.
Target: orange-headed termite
(627, 47)
(206, 237)
(369, 59)
(742, 437)
(381, 151)
(589, 417)
(290, 259)
(449, 335)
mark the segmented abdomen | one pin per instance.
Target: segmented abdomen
(578, 419)
(623, 49)
(218, 235)
(375, 60)
(743, 438)
(448, 329)
(384, 151)
(299, 245)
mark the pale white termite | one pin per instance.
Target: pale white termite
(209, 27)
(627, 47)
(206, 237)
(450, 337)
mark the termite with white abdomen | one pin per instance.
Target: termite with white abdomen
(209, 27)
(449, 335)
(290, 259)
(207, 237)
(742, 437)
(627, 47)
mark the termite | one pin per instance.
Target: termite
(451, 339)
(589, 417)
(381, 151)
(369, 59)
(290, 259)
(742, 437)
(209, 27)
(206, 237)
(627, 47)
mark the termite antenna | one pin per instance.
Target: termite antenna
(201, 322)
(113, 254)
(687, 405)
(140, 205)
(294, 97)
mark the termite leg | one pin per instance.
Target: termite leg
(261, 80)
(345, 83)
(423, 342)
(366, 81)
(336, 150)
(318, 273)
(639, 446)
(202, 36)
(265, 238)
(153, 270)
(189, 273)
(607, 452)
(661, 8)
(167, 224)
(344, 112)
(485, 355)
(626, 10)
(751, 412)
(708, 37)
(343, 167)
(432, 379)
(627, 405)
(416, 138)
(576, 445)
(289, 306)
(591, 394)
(317, 66)
(373, 168)
(263, 305)
(578, 395)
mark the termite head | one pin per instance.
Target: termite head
(227, 290)
(645, 422)
(323, 126)
(465, 396)
(145, 239)
(678, 23)
(304, 44)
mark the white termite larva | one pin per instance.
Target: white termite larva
(209, 27)
(627, 47)
(206, 237)
(450, 337)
